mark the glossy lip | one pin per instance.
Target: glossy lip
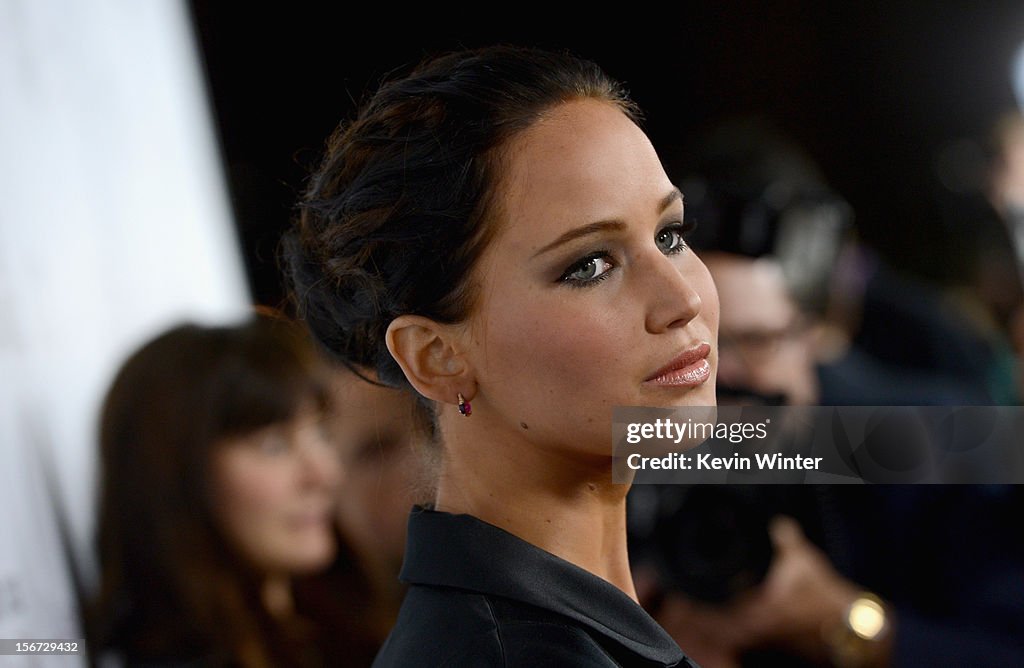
(689, 368)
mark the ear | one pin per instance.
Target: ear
(428, 353)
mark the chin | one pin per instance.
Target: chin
(703, 395)
(708, 395)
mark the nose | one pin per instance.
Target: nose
(669, 284)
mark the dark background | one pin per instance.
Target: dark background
(872, 92)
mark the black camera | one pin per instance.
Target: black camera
(709, 541)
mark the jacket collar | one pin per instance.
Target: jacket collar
(467, 553)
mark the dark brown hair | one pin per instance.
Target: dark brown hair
(402, 205)
(171, 587)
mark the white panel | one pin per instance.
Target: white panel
(114, 224)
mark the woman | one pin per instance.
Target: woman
(217, 490)
(496, 232)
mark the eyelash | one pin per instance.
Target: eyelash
(581, 263)
(682, 228)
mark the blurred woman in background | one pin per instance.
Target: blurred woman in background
(217, 491)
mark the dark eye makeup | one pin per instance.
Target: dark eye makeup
(596, 266)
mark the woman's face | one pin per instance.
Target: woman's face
(589, 298)
(273, 494)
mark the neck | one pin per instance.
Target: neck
(562, 502)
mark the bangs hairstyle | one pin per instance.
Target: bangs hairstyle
(253, 388)
(215, 382)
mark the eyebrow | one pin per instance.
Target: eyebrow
(606, 225)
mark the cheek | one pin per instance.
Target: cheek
(553, 342)
(247, 499)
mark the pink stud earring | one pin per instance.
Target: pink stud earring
(464, 406)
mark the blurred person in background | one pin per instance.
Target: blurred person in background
(1003, 184)
(782, 575)
(218, 484)
(766, 339)
(779, 238)
(757, 201)
(388, 464)
(1006, 179)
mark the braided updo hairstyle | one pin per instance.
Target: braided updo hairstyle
(403, 203)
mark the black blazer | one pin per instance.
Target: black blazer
(481, 597)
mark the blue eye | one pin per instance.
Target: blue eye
(671, 239)
(593, 268)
